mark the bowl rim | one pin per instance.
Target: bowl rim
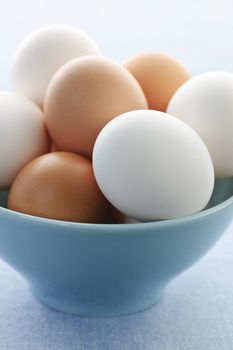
(119, 227)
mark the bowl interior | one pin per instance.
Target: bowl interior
(223, 190)
(84, 275)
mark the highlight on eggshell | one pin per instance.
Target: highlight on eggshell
(42, 53)
(159, 76)
(73, 103)
(83, 96)
(60, 186)
(205, 103)
(153, 166)
(23, 135)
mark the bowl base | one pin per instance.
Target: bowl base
(94, 309)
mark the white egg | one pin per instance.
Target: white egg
(23, 136)
(152, 166)
(128, 220)
(42, 53)
(206, 103)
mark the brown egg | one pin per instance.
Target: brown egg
(83, 96)
(61, 186)
(54, 148)
(117, 217)
(159, 76)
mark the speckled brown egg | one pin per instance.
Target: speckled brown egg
(60, 186)
(83, 96)
(159, 76)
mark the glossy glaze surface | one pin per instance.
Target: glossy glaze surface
(109, 270)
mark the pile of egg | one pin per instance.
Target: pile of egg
(86, 139)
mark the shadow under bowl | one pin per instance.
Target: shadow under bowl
(109, 270)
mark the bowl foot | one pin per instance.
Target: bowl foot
(97, 308)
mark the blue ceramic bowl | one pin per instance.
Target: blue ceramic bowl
(109, 270)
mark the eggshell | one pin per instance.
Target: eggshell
(159, 76)
(206, 103)
(83, 96)
(129, 220)
(126, 220)
(117, 217)
(153, 166)
(61, 186)
(42, 53)
(54, 148)
(23, 135)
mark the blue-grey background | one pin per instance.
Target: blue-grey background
(197, 310)
(198, 32)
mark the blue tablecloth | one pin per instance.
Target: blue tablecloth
(195, 313)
